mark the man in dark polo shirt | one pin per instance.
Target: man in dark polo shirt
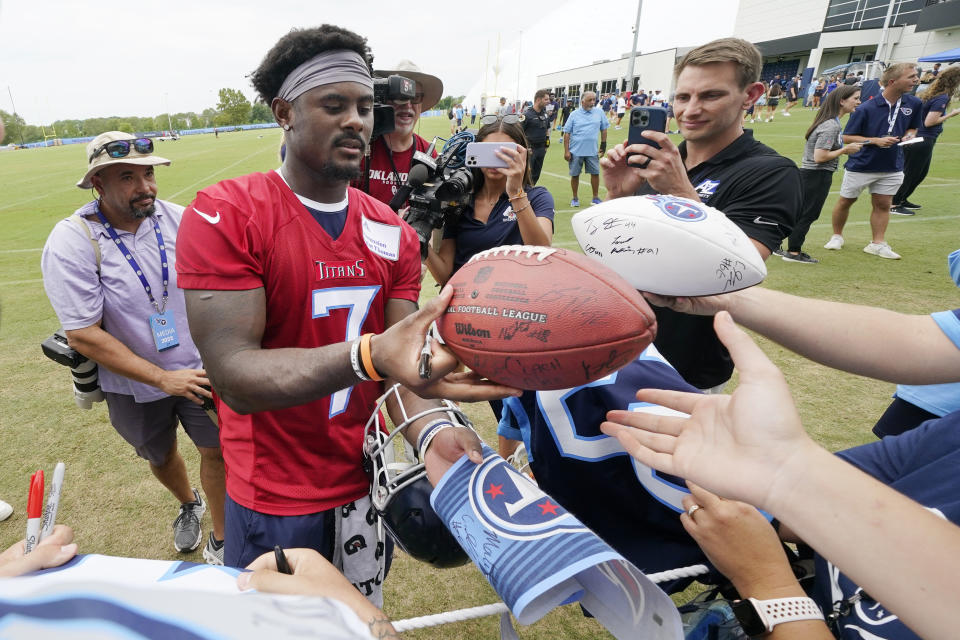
(536, 126)
(723, 166)
(882, 123)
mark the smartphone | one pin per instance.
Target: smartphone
(484, 154)
(646, 119)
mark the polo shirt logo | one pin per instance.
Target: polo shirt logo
(509, 215)
(707, 187)
(906, 110)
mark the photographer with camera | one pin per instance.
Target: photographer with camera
(392, 153)
(109, 272)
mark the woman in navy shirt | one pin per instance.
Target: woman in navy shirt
(506, 208)
(917, 156)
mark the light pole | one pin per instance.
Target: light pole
(633, 52)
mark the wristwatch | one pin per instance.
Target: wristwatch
(758, 617)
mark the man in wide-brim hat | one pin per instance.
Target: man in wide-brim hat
(391, 155)
(109, 272)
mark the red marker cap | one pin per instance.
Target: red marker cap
(35, 499)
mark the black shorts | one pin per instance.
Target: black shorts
(772, 102)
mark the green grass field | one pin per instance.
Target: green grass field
(115, 505)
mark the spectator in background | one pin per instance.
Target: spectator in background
(830, 86)
(580, 145)
(936, 69)
(459, 113)
(536, 128)
(774, 93)
(917, 157)
(503, 109)
(473, 114)
(879, 166)
(553, 110)
(794, 90)
(851, 79)
(821, 155)
(565, 112)
(621, 109)
(819, 92)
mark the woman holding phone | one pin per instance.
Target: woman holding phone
(505, 208)
(820, 159)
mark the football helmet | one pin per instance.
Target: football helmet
(399, 489)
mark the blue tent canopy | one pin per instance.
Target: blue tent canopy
(951, 55)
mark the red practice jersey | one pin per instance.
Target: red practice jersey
(253, 232)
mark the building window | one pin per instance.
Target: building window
(608, 86)
(590, 86)
(573, 92)
(847, 15)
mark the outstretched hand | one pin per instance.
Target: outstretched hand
(736, 446)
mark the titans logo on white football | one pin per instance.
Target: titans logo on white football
(669, 246)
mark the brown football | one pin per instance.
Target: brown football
(544, 318)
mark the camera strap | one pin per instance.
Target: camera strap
(93, 242)
(396, 174)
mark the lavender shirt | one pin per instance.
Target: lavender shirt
(81, 299)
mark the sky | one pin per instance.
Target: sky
(71, 59)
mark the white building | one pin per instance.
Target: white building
(801, 37)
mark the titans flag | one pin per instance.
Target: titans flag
(537, 555)
(109, 598)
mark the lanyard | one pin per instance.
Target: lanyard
(892, 114)
(164, 270)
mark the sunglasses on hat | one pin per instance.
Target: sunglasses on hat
(121, 148)
(510, 118)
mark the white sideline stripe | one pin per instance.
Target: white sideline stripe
(20, 250)
(40, 197)
(11, 283)
(217, 172)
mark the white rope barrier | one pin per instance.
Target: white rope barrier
(497, 608)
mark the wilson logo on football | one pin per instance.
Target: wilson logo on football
(679, 209)
(466, 329)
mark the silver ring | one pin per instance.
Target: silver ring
(692, 509)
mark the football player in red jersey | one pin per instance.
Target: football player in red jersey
(302, 295)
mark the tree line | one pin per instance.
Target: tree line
(233, 108)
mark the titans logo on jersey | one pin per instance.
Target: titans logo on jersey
(629, 505)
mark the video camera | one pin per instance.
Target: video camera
(385, 90)
(437, 189)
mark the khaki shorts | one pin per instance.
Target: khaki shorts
(884, 184)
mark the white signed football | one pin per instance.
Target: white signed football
(669, 246)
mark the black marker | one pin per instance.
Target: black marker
(282, 565)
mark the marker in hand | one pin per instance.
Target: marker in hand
(53, 502)
(34, 511)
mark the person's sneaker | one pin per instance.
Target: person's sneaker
(575, 203)
(881, 250)
(902, 211)
(213, 552)
(787, 114)
(803, 258)
(5, 510)
(618, 127)
(186, 528)
(910, 205)
(835, 242)
(596, 201)
(779, 252)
